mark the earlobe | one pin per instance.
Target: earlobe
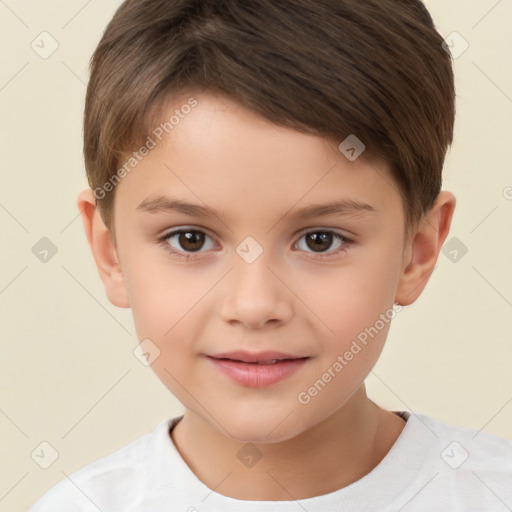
(423, 249)
(103, 250)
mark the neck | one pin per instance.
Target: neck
(333, 454)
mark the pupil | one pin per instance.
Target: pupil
(319, 240)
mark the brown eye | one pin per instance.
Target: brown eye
(191, 240)
(184, 242)
(319, 241)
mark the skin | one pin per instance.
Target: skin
(257, 173)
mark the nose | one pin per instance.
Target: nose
(255, 295)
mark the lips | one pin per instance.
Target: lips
(257, 370)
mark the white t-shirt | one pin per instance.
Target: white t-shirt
(432, 466)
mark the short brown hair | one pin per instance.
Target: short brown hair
(373, 68)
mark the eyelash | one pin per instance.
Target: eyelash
(319, 256)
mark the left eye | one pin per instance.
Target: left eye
(190, 241)
(319, 240)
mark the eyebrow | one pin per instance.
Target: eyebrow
(341, 207)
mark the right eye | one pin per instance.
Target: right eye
(186, 241)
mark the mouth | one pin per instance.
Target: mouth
(257, 371)
(268, 361)
(264, 357)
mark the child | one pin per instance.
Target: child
(226, 143)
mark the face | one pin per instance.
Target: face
(260, 276)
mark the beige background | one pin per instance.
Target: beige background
(68, 374)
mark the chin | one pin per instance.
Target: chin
(264, 427)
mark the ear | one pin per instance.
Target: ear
(422, 249)
(103, 250)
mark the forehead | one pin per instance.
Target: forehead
(220, 154)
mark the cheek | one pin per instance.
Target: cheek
(351, 297)
(355, 303)
(162, 309)
(153, 286)
(165, 305)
